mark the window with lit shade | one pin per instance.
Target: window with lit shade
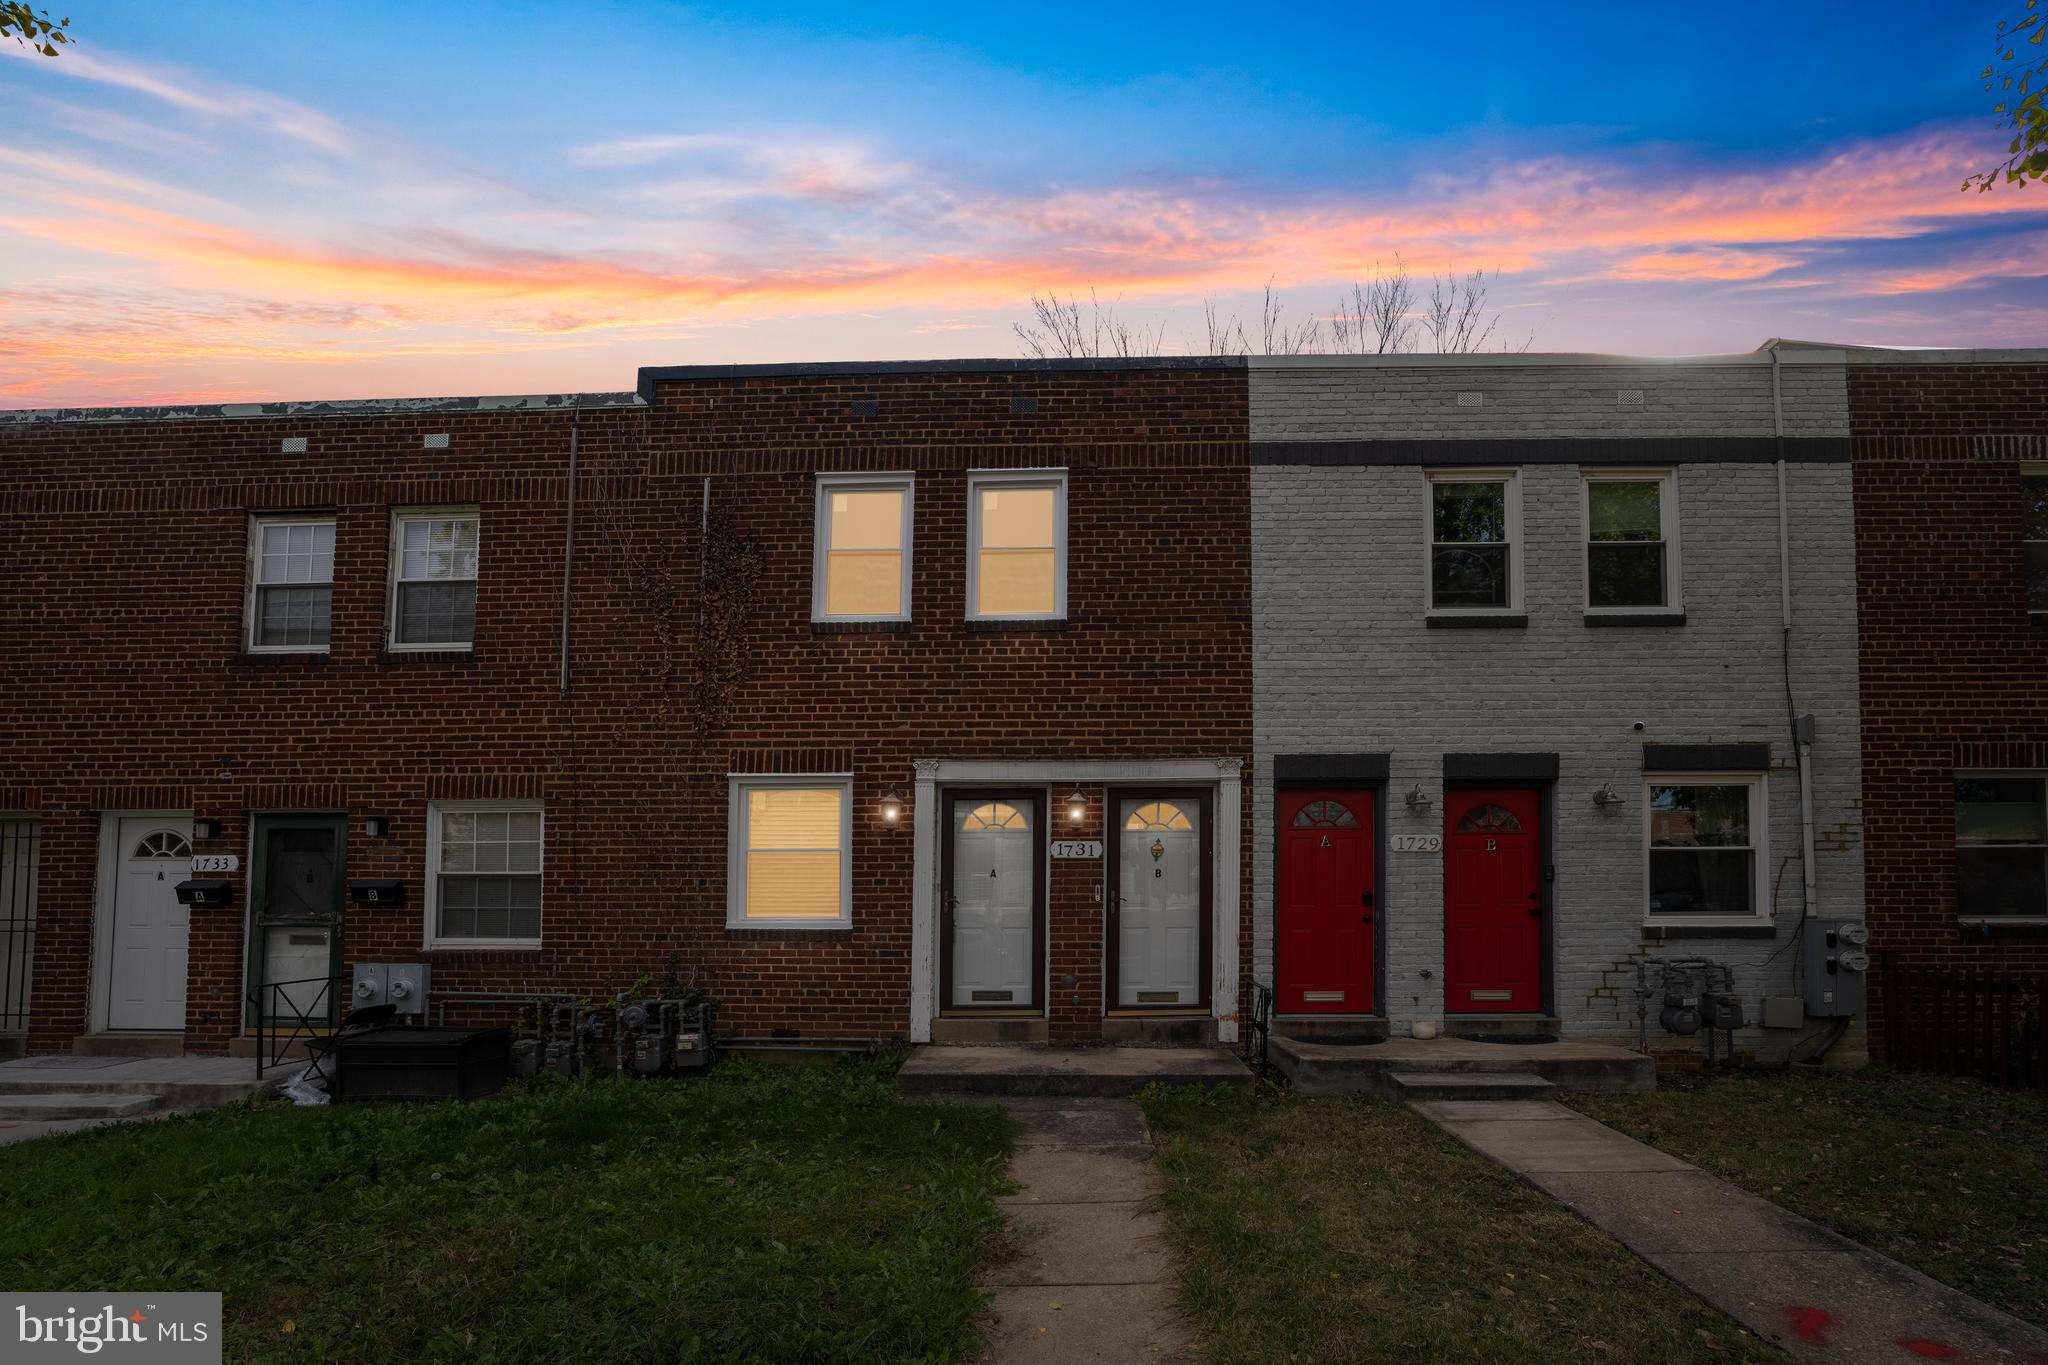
(863, 555)
(1017, 554)
(790, 855)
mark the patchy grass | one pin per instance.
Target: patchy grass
(1351, 1229)
(1948, 1176)
(753, 1214)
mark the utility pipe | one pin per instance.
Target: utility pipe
(1802, 745)
(569, 541)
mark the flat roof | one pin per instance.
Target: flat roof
(342, 407)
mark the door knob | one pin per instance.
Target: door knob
(1536, 912)
(1365, 919)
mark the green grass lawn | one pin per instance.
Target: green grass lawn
(1948, 1176)
(1353, 1230)
(753, 1214)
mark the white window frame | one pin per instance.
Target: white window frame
(432, 898)
(737, 787)
(253, 551)
(1667, 513)
(1053, 478)
(1512, 479)
(1759, 844)
(395, 557)
(1964, 774)
(821, 537)
(2029, 471)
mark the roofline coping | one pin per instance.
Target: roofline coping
(651, 375)
(1856, 353)
(345, 407)
(1486, 360)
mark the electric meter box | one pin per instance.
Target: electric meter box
(399, 984)
(1836, 957)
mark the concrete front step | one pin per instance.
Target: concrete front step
(174, 1082)
(34, 1108)
(1331, 1069)
(1160, 1030)
(128, 1045)
(1468, 1085)
(1040, 1070)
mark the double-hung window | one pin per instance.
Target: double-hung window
(483, 873)
(861, 563)
(1706, 851)
(433, 579)
(1631, 541)
(1017, 544)
(2002, 847)
(2034, 491)
(291, 584)
(1475, 543)
(789, 853)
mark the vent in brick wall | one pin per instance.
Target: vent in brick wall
(1628, 398)
(867, 407)
(435, 440)
(294, 445)
(1471, 398)
(1023, 405)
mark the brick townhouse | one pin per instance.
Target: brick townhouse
(1536, 638)
(1951, 465)
(898, 700)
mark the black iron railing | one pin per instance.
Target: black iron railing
(17, 920)
(300, 1020)
(1261, 1028)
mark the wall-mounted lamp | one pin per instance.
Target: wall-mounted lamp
(206, 829)
(891, 804)
(1419, 802)
(1607, 798)
(1077, 806)
(377, 826)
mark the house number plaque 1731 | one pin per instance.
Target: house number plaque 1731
(1077, 848)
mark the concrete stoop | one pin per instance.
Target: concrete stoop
(1422, 1086)
(67, 1090)
(128, 1045)
(1042, 1070)
(1317, 1068)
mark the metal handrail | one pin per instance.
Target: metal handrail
(1261, 1030)
(269, 1050)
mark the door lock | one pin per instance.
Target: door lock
(1365, 899)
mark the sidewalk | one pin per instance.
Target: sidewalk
(1809, 1291)
(1090, 1278)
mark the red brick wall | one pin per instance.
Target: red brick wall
(1954, 671)
(124, 685)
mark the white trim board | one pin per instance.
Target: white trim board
(1225, 776)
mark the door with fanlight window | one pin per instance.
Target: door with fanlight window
(148, 938)
(1159, 896)
(993, 921)
(1493, 902)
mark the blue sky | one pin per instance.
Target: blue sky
(328, 201)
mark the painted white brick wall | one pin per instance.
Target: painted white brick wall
(1344, 663)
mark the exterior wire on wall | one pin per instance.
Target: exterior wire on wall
(569, 540)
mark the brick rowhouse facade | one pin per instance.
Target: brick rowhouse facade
(1954, 671)
(126, 685)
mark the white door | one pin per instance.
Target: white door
(991, 899)
(1159, 902)
(146, 955)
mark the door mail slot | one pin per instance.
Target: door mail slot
(365, 892)
(205, 893)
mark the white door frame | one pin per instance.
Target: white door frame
(107, 883)
(1223, 776)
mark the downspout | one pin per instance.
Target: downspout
(569, 541)
(1802, 730)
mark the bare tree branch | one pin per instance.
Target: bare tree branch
(1062, 329)
(1377, 317)
(1457, 319)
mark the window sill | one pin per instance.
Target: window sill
(1653, 933)
(1635, 618)
(1493, 620)
(280, 658)
(791, 933)
(1981, 927)
(445, 658)
(887, 627)
(996, 625)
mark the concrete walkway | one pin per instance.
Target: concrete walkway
(1089, 1277)
(1813, 1293)
(64, 1093)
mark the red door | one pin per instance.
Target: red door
(1323, 957)
(1493, 903)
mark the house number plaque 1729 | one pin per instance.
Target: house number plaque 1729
(1417, 843)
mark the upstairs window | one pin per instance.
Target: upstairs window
(2001, 847)
(861, 563)
(1631, 541)
(291, 584)
(2034, 490)
(1475, 542)
(1017, 545)
(433, 579)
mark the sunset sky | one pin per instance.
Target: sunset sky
(342, 201)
